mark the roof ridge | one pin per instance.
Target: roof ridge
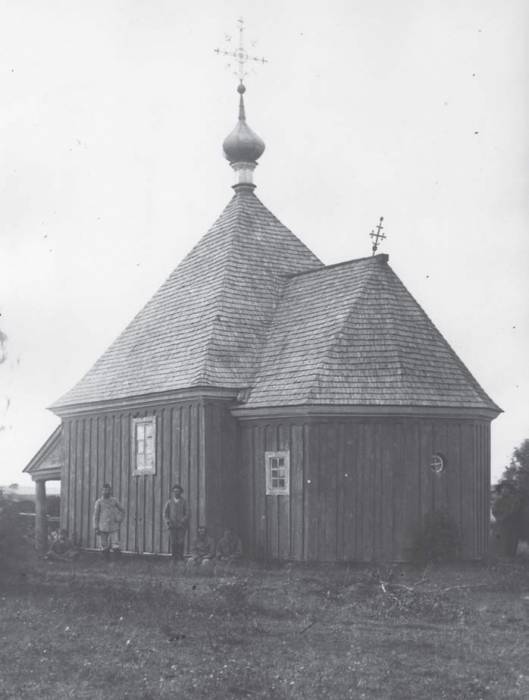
(399, 352)
(331, 344)
(239, 210)
(382, 257)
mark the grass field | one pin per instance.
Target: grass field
(143, 629)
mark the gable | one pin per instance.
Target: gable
(48, 461)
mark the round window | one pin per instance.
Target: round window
(437, 463)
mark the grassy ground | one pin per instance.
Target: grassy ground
(142, 629)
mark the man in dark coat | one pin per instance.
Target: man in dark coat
(176, 516)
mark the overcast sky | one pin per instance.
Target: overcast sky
(112, 118)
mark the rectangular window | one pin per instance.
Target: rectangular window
(277, 465)
(144, 445)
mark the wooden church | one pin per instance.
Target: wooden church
(314, 408)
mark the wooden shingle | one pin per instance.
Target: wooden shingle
(351, 334)
(207, 323)
(251, 307)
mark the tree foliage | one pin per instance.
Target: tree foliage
(510, 502)
(517, 473)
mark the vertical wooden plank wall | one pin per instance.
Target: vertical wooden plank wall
(361, 487)
(275, 526)
(98, 448)
(224, 486)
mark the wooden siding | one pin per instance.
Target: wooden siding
(360, 487)
(194, 446)
(222, 488)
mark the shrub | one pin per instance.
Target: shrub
(437, 539)
(26, 506)
(11, 536)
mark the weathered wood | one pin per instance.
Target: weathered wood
(312, 507)
(85, 493)
(192, 470)
(247, 520)
(307, 534)
(467, 481)
(367, 491)
(341, 481)
(328, 492)
(41, 521)
(69, 446)
(271, 501)
(162, 481)
(260, 491)
(284, 502)
(203, 511)
(388, 456)
(350, 508)
(297, 486)
(77, 534)
(369, 514)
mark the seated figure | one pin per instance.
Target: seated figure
(62, 549)
(229, 547)
(203, 550)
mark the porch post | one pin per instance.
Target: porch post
(41, 522)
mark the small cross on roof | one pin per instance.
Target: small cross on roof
(378, 236)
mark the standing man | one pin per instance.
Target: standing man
(176, 518)
(108, 515)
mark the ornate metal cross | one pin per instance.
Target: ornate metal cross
(240, 54)
(378, 236)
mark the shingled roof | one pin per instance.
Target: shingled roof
(351, 334)
(207, 324)
(252, 307)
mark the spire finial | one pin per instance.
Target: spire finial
(242, 147)
(241, 90)
(239, 54)
(378, 236)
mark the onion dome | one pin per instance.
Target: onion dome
(243, 145)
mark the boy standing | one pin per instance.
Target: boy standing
(108, 515)
(176, 518)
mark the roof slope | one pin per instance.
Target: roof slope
(207, 323)
(351, 334)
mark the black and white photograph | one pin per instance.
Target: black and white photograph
(264, 341)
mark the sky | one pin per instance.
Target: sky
(112, 117)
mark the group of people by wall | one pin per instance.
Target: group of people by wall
(107, 517)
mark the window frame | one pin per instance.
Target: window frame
(272, 490)
(136, 422)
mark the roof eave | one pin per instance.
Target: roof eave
(367, 411)
(145, 400)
